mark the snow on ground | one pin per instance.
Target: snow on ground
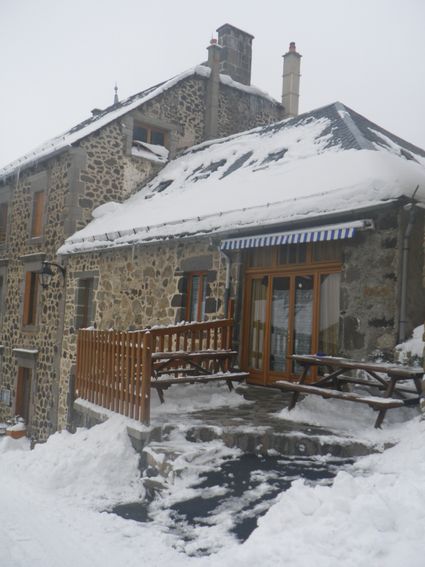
(374, 515)
(355, 422)
(53, 501)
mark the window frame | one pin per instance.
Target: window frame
(4, 230)
(31, 299)
(38, 210)
(85, 302)
(38, 206)
(150, 130)
(3, 292)
(202, 295)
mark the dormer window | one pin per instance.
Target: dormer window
(149, 135)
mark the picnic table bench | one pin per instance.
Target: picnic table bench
(387, 379)
(202, 366)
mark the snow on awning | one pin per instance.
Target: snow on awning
(312, 234)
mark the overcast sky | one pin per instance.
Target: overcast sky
(61, 58)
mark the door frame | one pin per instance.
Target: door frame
(266, 377)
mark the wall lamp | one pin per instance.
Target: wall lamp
(46, 273)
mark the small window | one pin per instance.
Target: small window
(292, 254)
(37, 217)
(2, 282)
(196, 296)
(85, 303)
(328, 251)
(30, 298)
(140, 134)
(148, 134)
(3, 222)
(157, 137)
(261, 257)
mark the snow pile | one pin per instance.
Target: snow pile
(186, 398)
(93, 468)
(374, 516)
(355, 421)
(301, 167)
(412, 351)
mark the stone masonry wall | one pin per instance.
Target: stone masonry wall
(144, 285)
(111, 174)
(238, 111)
(370, 289)
(98, 169)
(138, 287)
(19, 252)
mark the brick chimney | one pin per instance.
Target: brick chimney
(236, 53)
(291, 81)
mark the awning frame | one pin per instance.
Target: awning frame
(325, 233)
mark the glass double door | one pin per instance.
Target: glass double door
(289, 314)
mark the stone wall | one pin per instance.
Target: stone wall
(97, 169)
(371, 279)
(137, 287)
(34, 347)
(144, 285)
(110, 173)
(244, 111)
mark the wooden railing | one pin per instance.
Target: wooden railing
(114, 368)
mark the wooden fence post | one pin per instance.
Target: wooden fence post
(146, 377)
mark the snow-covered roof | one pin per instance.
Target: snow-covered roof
(113, 112)
(325, 162)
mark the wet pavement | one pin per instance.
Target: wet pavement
(241, 488)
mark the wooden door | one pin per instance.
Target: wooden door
(23, 393)
(288, 313)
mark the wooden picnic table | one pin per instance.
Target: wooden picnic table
(180, 367)
(388, 379)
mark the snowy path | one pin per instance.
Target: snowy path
(51, 497)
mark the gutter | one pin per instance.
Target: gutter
(227, 284)
(410, 207)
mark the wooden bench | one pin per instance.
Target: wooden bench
(180, 367)
(386, 378)
(375, 402)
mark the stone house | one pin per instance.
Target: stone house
(312, 226)
(48, 194)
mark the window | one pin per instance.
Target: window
(30, 298)
(85, 303)
(196, 296)
(316, 252)
(37, 216)
(149, 135)
(2, 294)
(3, 222)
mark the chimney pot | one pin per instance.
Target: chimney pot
(291, 81)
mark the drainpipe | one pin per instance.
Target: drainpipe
(404, 264)
(227, 285)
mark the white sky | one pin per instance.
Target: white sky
(60, 59)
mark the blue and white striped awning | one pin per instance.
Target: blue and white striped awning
(312, 234)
